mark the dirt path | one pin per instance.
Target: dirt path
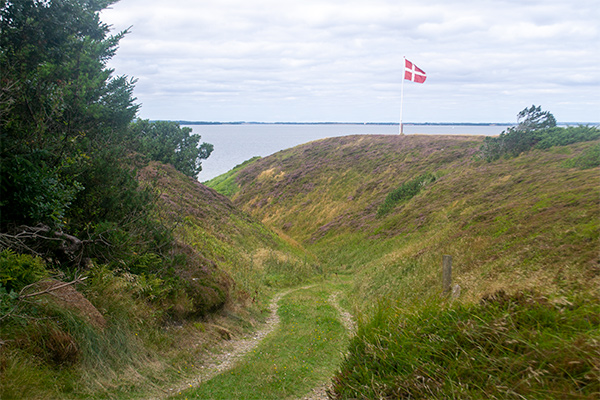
(231, 351)
(235, 349)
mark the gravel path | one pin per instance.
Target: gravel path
(233, 350)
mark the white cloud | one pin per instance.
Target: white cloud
(324, 60)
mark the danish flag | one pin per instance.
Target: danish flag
(413, 73)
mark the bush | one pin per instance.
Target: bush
(167, 142)
(590, 158)
(20, 270)
(565, 136)
(405, 192)
(514, 141)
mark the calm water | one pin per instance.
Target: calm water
(235, 144)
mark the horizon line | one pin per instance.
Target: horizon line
(192, 122)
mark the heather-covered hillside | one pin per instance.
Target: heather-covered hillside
(527, 221)
(522, 230)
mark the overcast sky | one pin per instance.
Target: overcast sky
(342, 60)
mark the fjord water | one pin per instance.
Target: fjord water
(236, 143)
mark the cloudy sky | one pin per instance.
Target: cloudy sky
(342, 60)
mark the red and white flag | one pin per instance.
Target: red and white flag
(413, 73)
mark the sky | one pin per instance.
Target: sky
(342, 60)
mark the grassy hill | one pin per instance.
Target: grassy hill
(529, 221)
(258, 260)
(123, 332)
(523, 233)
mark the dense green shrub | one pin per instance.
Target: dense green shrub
(59, 106)
(565, 136)
(513, 142)
(590, 158)
(20, 270)
(167, 142)
(535, 129)
(405, 192)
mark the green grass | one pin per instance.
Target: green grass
(299, 356)
(508, 347)
(225, 183)
(511, 224)
(590, 158)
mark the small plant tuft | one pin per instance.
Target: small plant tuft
(405, 192)
(20, 270)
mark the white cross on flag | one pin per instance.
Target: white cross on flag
(414, 73)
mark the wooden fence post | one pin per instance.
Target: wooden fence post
(447, 274)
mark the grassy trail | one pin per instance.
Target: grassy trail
(299, 355)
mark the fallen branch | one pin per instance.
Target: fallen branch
(47, 290)
(42, 241)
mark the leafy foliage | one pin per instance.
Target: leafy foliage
(405, 192)
(167, 142)
(20, 270)
(565, 136)
(66, 143)
(535, 129)
(60, 105)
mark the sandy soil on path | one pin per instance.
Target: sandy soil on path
(229, 352)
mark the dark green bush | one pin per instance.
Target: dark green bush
(565, 136)
(514, 141)
(20, 270)
(167, 142)
(405, 192)
(590, 158)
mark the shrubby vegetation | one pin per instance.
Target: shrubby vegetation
(405, 192)
(535, 129)
(69, 151)
(71, 204)
(167, 142)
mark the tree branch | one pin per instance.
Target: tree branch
(47, 290)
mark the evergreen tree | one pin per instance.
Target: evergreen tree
(60, 106)
(167, 142)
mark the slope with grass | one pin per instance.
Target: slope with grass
(300, 354)
(529, 221)
(524, 236)
(116, 333)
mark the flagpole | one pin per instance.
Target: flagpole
(402, 96)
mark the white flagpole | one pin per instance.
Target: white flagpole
(402, 96)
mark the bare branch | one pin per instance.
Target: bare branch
(47, 290)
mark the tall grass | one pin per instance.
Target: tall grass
(508, 346)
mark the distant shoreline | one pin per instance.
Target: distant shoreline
(342, 123)
(183, 122)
